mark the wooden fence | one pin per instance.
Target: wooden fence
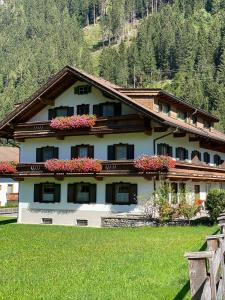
(206, 268)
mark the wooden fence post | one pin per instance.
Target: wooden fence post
(199, 281)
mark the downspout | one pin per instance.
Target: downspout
(154, 148)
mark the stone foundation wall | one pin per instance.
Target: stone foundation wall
(136, 221)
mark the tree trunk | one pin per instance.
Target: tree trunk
(94, 15)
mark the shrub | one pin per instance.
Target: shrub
(188, 210)
(215, 203)
(7, 167)
(77, 165)
(154, 163)
(63, 123)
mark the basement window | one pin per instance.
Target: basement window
(46, 220)
(81, 222)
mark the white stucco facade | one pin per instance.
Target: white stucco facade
(68, 213)
(7, 186)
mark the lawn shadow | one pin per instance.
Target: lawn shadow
(186, 288)
(8, 221)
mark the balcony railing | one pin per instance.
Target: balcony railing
(183, 171)
(104, 125)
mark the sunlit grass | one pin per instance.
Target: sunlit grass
(56, 262)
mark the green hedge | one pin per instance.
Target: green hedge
(215, 203)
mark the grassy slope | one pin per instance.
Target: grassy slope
(49, 262)
(93, 38)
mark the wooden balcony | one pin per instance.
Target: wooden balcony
(109, 125)
(183, 171)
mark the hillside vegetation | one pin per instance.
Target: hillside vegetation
(175, 44)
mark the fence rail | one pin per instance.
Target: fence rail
(206, 268)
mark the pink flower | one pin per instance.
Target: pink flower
(76, 165)
(154, 163)
(64, 123)
(7, 167)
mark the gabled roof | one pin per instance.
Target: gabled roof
(69, 75)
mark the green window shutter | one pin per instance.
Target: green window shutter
(159, 149)
(130, 152)
(178, 152)
(89, 89)
(71, 193)
(133, 194)
(109, 193)
(96, 110)
(51, 113)
(74, 152)
(56, 152)
(91, 151)
(38, 155)
(38, 192)
(111, 152)
(57, 192)
(70, 111)
(76, 90)
(186, 153)
(117, 109)
(170, 151)
(92, 198)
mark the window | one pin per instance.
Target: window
(46, 153)
(181, 115)
(181, 153)
(61, 111)
(83, 109)
(164, 149)
(82, 151)
(206, 157)
(120, 152)
(197, 192)
(82, 89)
(194, 119)
(107, 109)
(164, 107)
(47, 192)
(46, 221)
(81, 222)
(81, 193)
(121, 193)
(10, 188)
(196, 153)
(217, 160)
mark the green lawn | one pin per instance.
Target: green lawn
(56, 262)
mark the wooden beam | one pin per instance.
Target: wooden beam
(46, 101)
(59, 176)
(99, 135)
(148, 131)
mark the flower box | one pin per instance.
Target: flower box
(7, 167)
(154, 163)
(73, 122)
(76, 165)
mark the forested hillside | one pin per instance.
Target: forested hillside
(178, 45)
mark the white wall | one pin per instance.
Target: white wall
(143, 145)
(68, 98)
(26, 195)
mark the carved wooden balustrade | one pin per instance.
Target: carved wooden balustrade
(104, 125)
